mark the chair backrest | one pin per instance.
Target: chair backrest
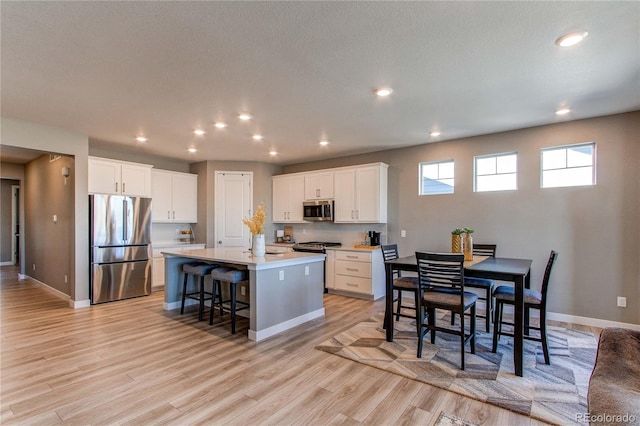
(389, 252)
(547, 274)
(441, 271)
(484, 249)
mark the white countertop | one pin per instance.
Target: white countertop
(242, 256)
(164, 244)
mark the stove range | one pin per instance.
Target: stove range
(315, 246)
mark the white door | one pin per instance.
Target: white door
(234, 202)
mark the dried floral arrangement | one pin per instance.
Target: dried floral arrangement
(256, 224)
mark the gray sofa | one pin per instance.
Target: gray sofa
(614, 387)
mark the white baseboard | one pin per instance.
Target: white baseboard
(75, 304)
(591, 322)
(283, 326)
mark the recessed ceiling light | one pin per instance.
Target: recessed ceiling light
(220, 124)
(141, 139)
(199, 132)
(434, 134)
(563, 111)
(571, 39)
(273, 153)
(324, 142)
(192, 150)
(383, 91)
(244, 116)
(257, 137)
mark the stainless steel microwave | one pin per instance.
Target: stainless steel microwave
(321, 210)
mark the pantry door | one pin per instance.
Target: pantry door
(234, 202)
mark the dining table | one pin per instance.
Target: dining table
(517, 271)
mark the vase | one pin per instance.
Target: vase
(257, 245)
(456, 243)
(467, 246)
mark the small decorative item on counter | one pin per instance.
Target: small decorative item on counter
(456, 240)
(256, 226)
(468, 244)
(186, 235)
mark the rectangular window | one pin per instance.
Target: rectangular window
(497, 172)
(436, 177)
(569, 165)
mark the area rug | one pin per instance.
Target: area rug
(446, 419)
(553, 393)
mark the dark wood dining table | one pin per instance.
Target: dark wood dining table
(517, 271)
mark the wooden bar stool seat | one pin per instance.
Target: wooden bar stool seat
(232, 276)
(197, 270)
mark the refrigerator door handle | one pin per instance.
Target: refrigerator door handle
(124, 215)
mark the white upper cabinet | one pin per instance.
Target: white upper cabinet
(361, 194)
(288, 196)
(175, 197)
(318, 186)
(119, 177)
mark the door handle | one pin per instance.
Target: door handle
(123, 190)
(125, 217)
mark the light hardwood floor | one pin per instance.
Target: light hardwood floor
(130, 362)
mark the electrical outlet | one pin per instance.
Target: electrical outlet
(65, 278)
(403, 233)
(243, 291)
(306, 270)
(177, 231)
(304, 230)
(281, 275)
(622, 302)
(34, 266)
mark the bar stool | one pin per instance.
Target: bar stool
(232, 276)
(197, 269)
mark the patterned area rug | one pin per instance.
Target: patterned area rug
(446, 419)
(553, 393)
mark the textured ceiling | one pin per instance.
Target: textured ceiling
(306, 70)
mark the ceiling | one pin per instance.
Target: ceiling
(307, 71)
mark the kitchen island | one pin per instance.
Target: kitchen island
(285, 289)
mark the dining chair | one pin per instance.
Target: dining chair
(505, 295)
(484, 284)
(441, 278)
(400, 283)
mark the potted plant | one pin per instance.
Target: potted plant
(467, 244)
(456, 240)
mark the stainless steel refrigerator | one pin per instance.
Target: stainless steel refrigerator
(120, 247)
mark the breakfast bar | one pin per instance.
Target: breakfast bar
(285, 289)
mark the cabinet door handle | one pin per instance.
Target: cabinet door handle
(168, 214)
(116, 186)
(318, 193)
(357, 214)
(123, 187)
(174, 214)
(353, 269)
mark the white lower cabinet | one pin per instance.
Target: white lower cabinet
(157, 266)
(358, 273)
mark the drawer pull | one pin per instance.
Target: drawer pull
(353, 269)
(352, 257)
(352, 284)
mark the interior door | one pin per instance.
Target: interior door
(234, 202)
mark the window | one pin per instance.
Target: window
(436, 177)
(497, 172)
(570, 165)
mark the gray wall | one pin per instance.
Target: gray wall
(262, 191)
(595, 229)
(43, 138)
(49, 245)
(6, 232)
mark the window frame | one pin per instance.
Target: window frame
(566, 147)
(496, 156)
(438, 162)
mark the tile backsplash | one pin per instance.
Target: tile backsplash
(169, 232)
(348, 234)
